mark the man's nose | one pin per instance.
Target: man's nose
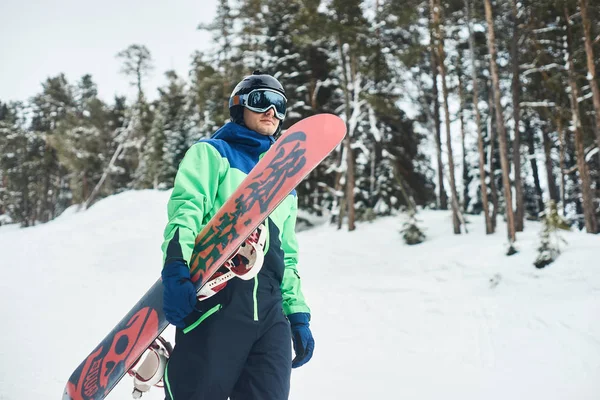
(270, 112)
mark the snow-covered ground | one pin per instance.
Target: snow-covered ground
(452, 318)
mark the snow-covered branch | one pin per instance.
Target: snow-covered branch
(360, 145)
(534, 104)
(594, 150)
(316, 91)
(584, 97)
(547, 41)
(373, 125)
(356, 103)
(550, 28)
(338, 193)
(589, 153)
(544, 68)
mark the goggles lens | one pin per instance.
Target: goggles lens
(260, 100)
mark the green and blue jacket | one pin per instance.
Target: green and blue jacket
(208, 175)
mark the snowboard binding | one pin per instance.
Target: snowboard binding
(148, 371)
(245, 264)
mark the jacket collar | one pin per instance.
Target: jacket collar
(248, 140)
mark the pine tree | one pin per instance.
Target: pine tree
(298, 53)
(544, 96)
(117, 175)
(9, 124)
(81, 142)
(550, 238)
(397, 164)
(137, 65)
(49, 195)
(21, 163)
(175, 110)
(349, 28)
(591, 221)
(251, 16)
(411, 233)
(214, 74)
(114, 177)
(209, 92)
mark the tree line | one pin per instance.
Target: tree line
(476, 106)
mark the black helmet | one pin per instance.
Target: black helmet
(258, 80)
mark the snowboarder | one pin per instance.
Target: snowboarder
(237, 342)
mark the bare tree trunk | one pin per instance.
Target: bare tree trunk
(348, 141)
(500, 123)
(35, 207)
(516, 89)
(25, 208)
(225, 99)
(442, 196)
(372, 179)
(338, 185)
(489, 228)
(529, 135)
(552, 189)
(85, 186)
(589, 51)
(410, 202)
(59, 187)
(492, 137)
(313, 94)
(4, 185)
(591, 225)
(139, 74)
(98, 186)
(442, 58)
(342, 213)
(561, 162)
(45, 205)
(558, 120)
(461, 115)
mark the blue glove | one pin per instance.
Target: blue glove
(304, 344)
(179, 295)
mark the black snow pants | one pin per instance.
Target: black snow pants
(240, 347)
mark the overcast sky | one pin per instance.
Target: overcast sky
(41, 38)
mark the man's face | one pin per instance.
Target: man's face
(264, 123)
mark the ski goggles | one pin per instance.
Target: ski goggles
(261, 100)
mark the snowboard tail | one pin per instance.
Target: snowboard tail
(120, 349)
(291, 158)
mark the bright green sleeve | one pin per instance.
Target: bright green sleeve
(291, 288)
(194, 192)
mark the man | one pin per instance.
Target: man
(236, 343)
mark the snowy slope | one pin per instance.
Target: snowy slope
(451, 318)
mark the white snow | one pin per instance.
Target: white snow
(452, 318)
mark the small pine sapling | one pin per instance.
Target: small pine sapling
(411, 233)
(550, 238)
